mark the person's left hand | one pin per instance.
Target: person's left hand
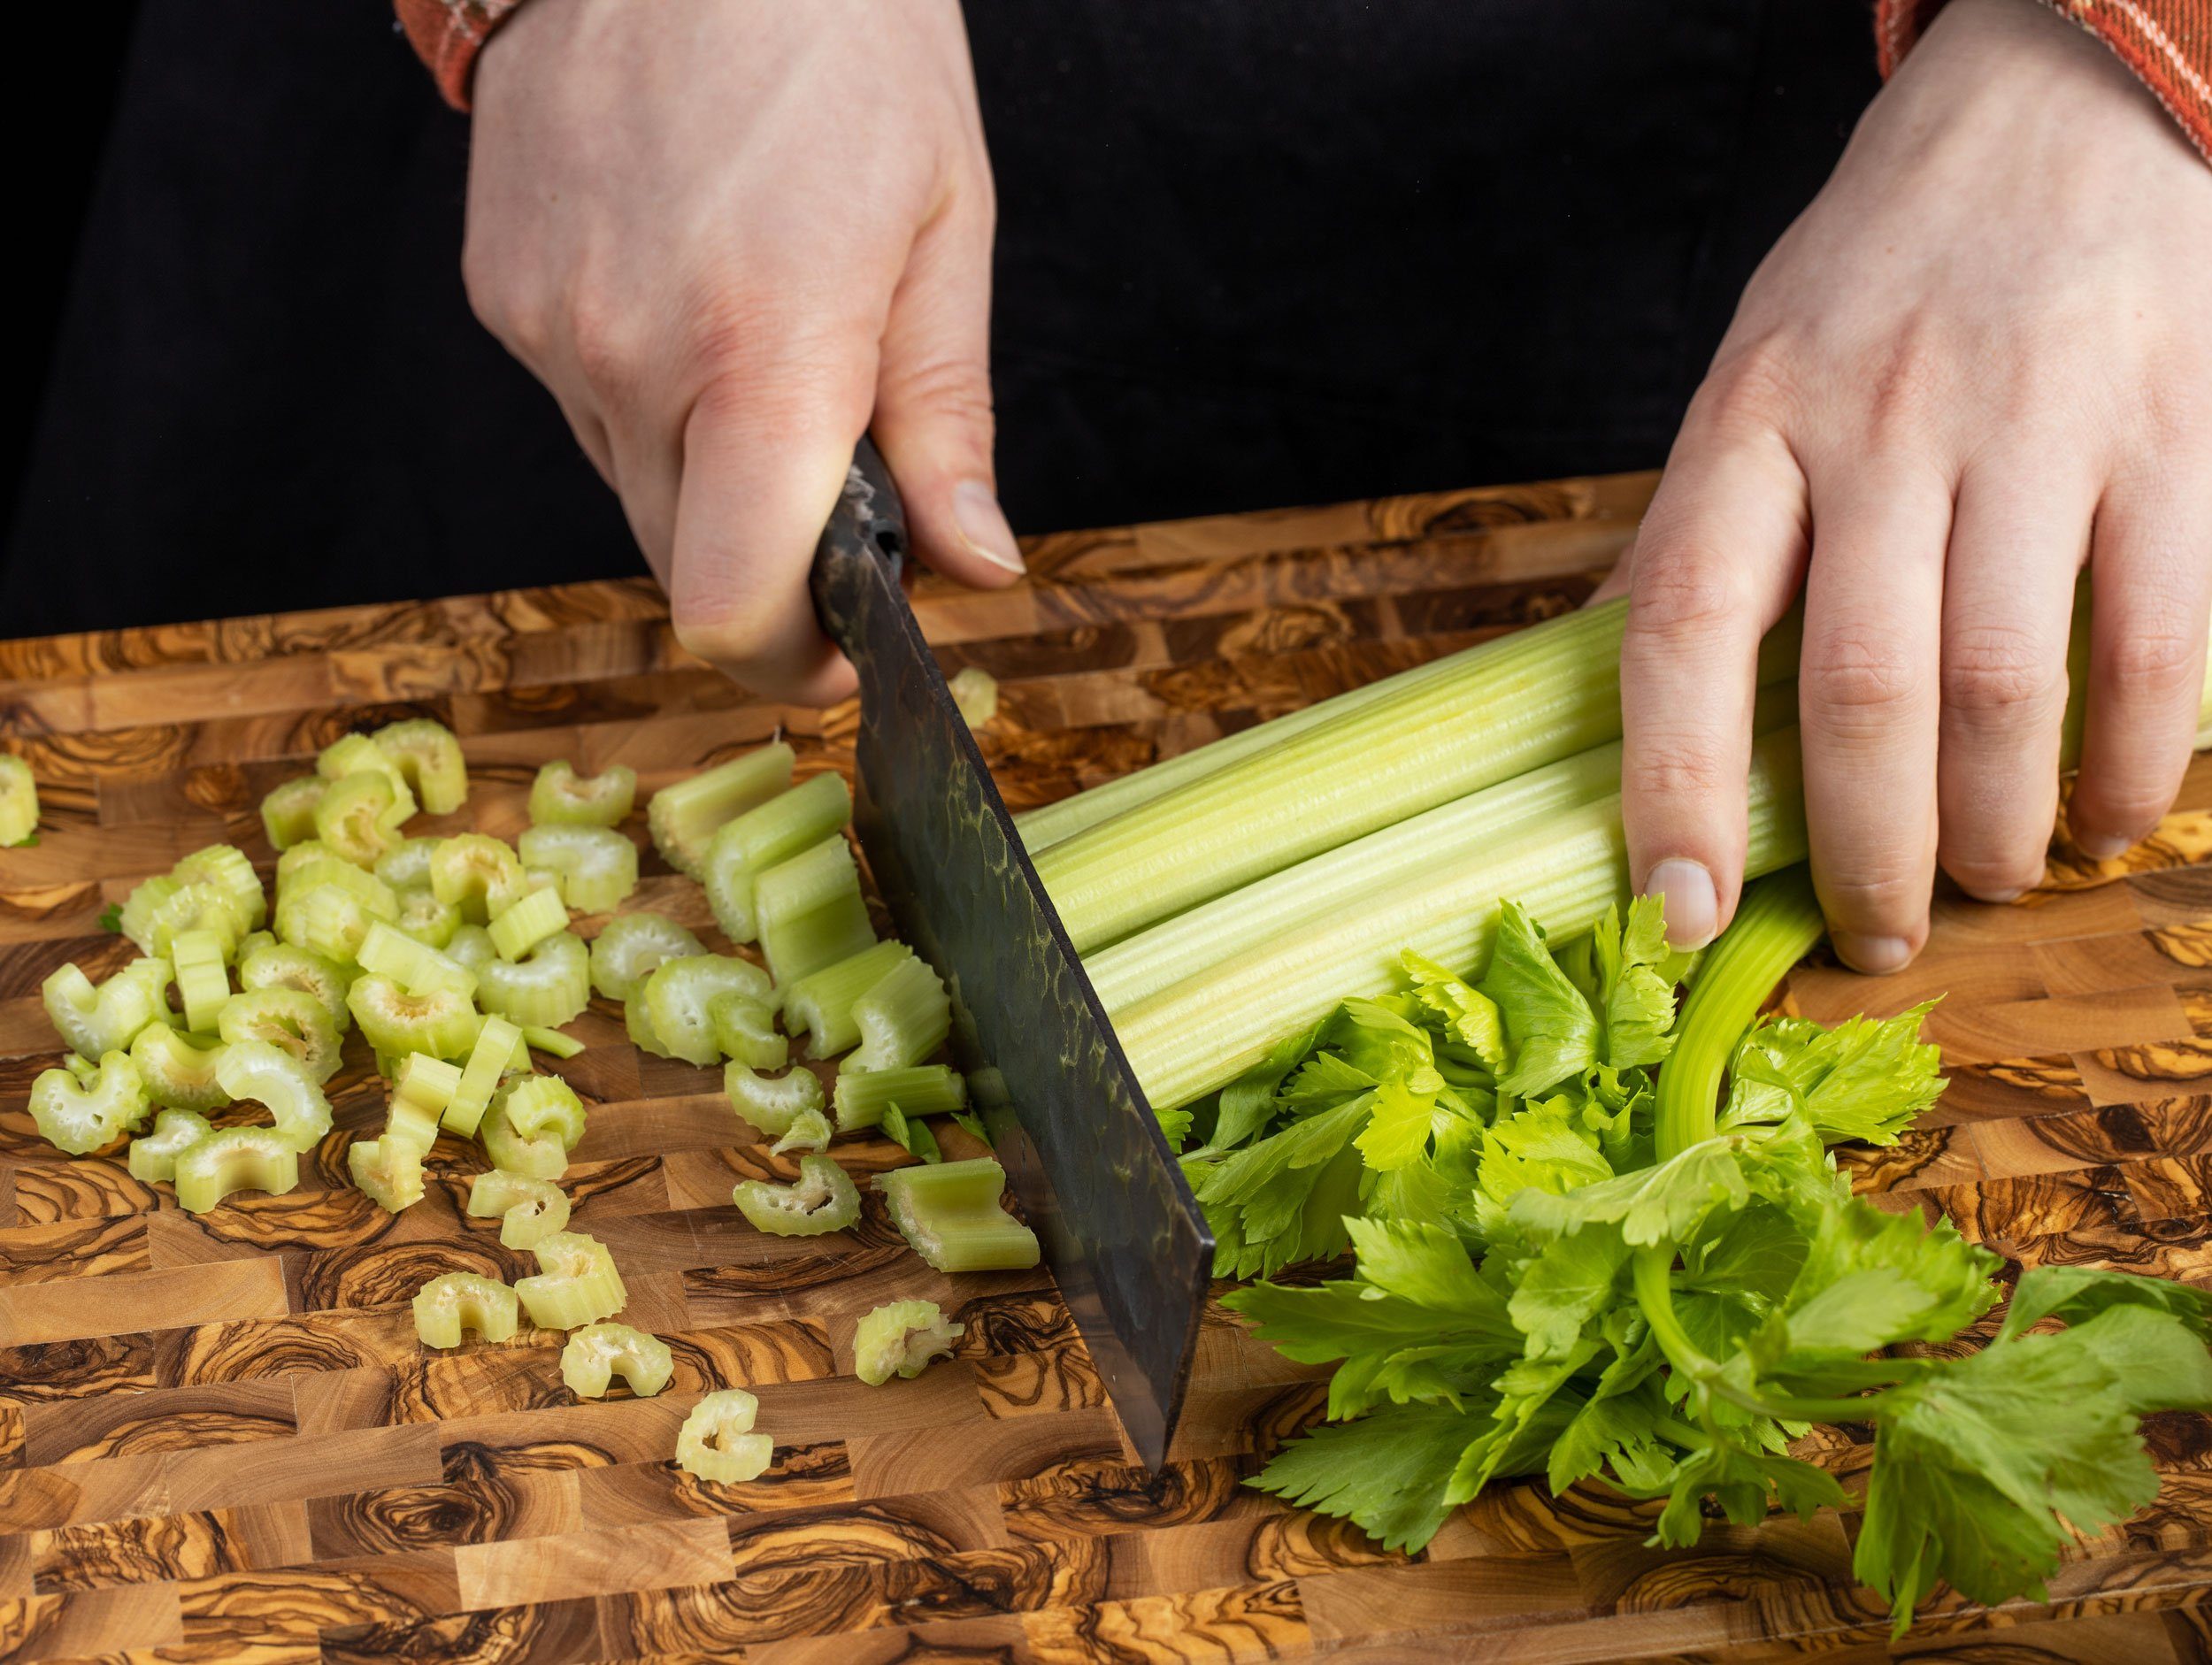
(1982, 357)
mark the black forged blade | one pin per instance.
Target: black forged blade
(1120, 1228)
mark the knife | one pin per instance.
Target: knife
(1123, 1234)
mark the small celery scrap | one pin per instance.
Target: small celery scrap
(900, 1339)
(561, 797)
(922, 1089)
(576, 1283)
(716, 1441)
(408, 867)
(596, 1353)
(809, 1130)
(202, 975)
(457, 1302)
(822, 1199)
(78, 1116)
(413, 963)
(975, 691)
(631, 947)
(684, 817)
(359, 817)
(529, 1210)
(910, 1135)
(154, 1155)
(771, 1105)
(231, 1160)
(19, 800)
(951, 1216)
(389, 1170)
(551, 1042)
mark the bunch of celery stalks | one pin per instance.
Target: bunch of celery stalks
(1371, 965)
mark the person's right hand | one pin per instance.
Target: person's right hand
(731, 236)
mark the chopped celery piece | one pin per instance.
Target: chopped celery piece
(280, 965)
(596, 1353)
(306, 865)
(231, 1160)
(772, 1103)
(438, 1021)
(684, 817)
(360, 816)
(541, 1157)
(84, 1068)
(355, 755)
(291, 859)
(288, 813)
(639, 1023)
(254, 1071)
(809, 1130)
(552, 1042)
(388, 1170)
(680, 994)
(408, 867)
(808, 911)
(491, 1056)
(950, 1216)
(822, 1005)
(19, 799)
(561, 797)
(330, 919)
(426, 1081)
(447, 1306)
(530, 1209)
(716, 1441)
(411, 1123)
(159, 909)
(822, 1199)
(745, 1029)
(788, 823)
(227, 867)
(975, 691)
(525, 921)
(426, 919)
(416, 966)
(429, 758)
(77, 1116)
(549, 986)
(576, 1283)
(630, 947)
(478, 874)
(471, 946)
(925, 1089)
(900, 1338)
(99, 1018)
(912, 1136)
(902, 1020)
(595, 866)
(153, 1156)
(541, 1106)
(202, 979)
(177, 1073)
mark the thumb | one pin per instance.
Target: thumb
(933, 416)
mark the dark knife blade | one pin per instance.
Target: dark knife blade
(1123, 1236)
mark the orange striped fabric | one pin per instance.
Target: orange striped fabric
(448, 34)
(2168, 43)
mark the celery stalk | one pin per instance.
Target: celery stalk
(951, 1215)
(682, 818)
(438, 1021)
(679, 1000)
(927, 1089)
(408, 867)
(416, 966)
(477, 873)
(745, 1029)
(820, 1005)
(763, 838)
(280, 965)
(809, 912)
(903, 1019)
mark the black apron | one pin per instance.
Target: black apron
(1249, 254)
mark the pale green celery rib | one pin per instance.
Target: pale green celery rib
(1500, 710)
(1137, 967)
(1205, 1031)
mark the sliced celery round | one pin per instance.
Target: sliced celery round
(680, 992)
(288, 813)
(576, 1283)
(414, 964)
(597, 1353)
(525, 921)
(359, 754)
(597, 866)
(822, 1199)
(530, 1209)
(411, 1123)
(202, 979)
(177, 1073)
(477, 873)
(926, 1089)
(360, 816)
(438, 1021)
(330, 918)
(457, 1302)
(471, 946)
(426, 919)
(561, 797)
(19, 799)
(234, 1159)
(765, 837)
(902, 1020)
(542, 1156)
(744, 1029)
(280, 965)
(426, 1081)
(716, 1441)
(78, 1116)
(289, 1019)
(153, 1156)
(407, 867)
(951, 1215)
(543, 1106)
(429, 757)
(388, 1170)
(548, 987)
(254, 1070)
(226, 867)
(821, 1005)
(99, 1018)
(630, 947)
(901, 1338)
(771, 1103)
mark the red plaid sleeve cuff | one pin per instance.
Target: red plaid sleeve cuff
(448, 34)
(2168, 43)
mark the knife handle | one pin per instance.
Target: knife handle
(865, 530)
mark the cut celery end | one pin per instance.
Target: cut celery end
(530, 1209)
(683, 816)
(477, 874)
(809, 913)
(551, 1042)
(288, 813)
(679, 995)
(821, 1005)
(809, 1131)
(787, 824)
(926, 1089)
(426, 1081)
(951, 1215)
(408, 866)
(598, 1352)
(359, 817)
(447, 1306)
(527, 921)
(231, 1160)
(576, 1283)
(902, 1020)
(631, 947)
(771, 1104)
(388, 1170)
(176, 1073)
(416, 966)
(561, 797)
(288, 1020)
(19, 799)
(428, 757)
(745, 1029)
(540, 1157)
(440, 1021)
(716, 1442)
(254, 1071)
(900, 1339)
(97, 1019)
(488, 1059)
(411, 1123)
(596, 867)
(78, 1116)
(822, 1199)
(271, 964)
(153, 1156)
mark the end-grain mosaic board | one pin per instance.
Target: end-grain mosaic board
(219, 1441)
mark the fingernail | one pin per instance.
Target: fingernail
(1693, 906)
(1876, 956)
(2101, 846)
(983, 527)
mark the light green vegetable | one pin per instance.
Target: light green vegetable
(629, 948)
(683, 816)
(288, 813)
(552, 1042)
(771, 1104)
(597, 1353)
(527, 921)
(550, 985)
(407, 866)
(679, 995)
(257, 1072)
(175, 1072)
(271, 964)
(809, 913)
(927, 1089)
(99, 1018)
(822, 1199)
(477, 874)
(900, 1338)
(821, 1006)
(951, 1216)
(79, 1117)
(19, 799)
(560, 797)
(416, 966)
(457, 1302)
(153, 1156)
(809, 1131)
(234, 1159)
(389, 1170)
(530, 1209)
(292, 1022)
(787, 824)
(439, 1021)
(497, 1049)
(576, 1283)
(745, 1029)
(595, 866)
(428, 757)
(716, 1442)
(359, 817)
(902, 1020)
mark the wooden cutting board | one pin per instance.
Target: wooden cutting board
(219, 1441)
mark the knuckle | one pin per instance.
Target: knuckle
(1995, 874)
(606, 352)
(1751, 387)
(1858, 678)
(1681, 599)
(2161, 665)
(1674, 766)
(718, 635)
(953, 388)
(1873, 892)
(2001, 675)
(1906, 381)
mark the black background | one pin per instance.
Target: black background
(1250, 254)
